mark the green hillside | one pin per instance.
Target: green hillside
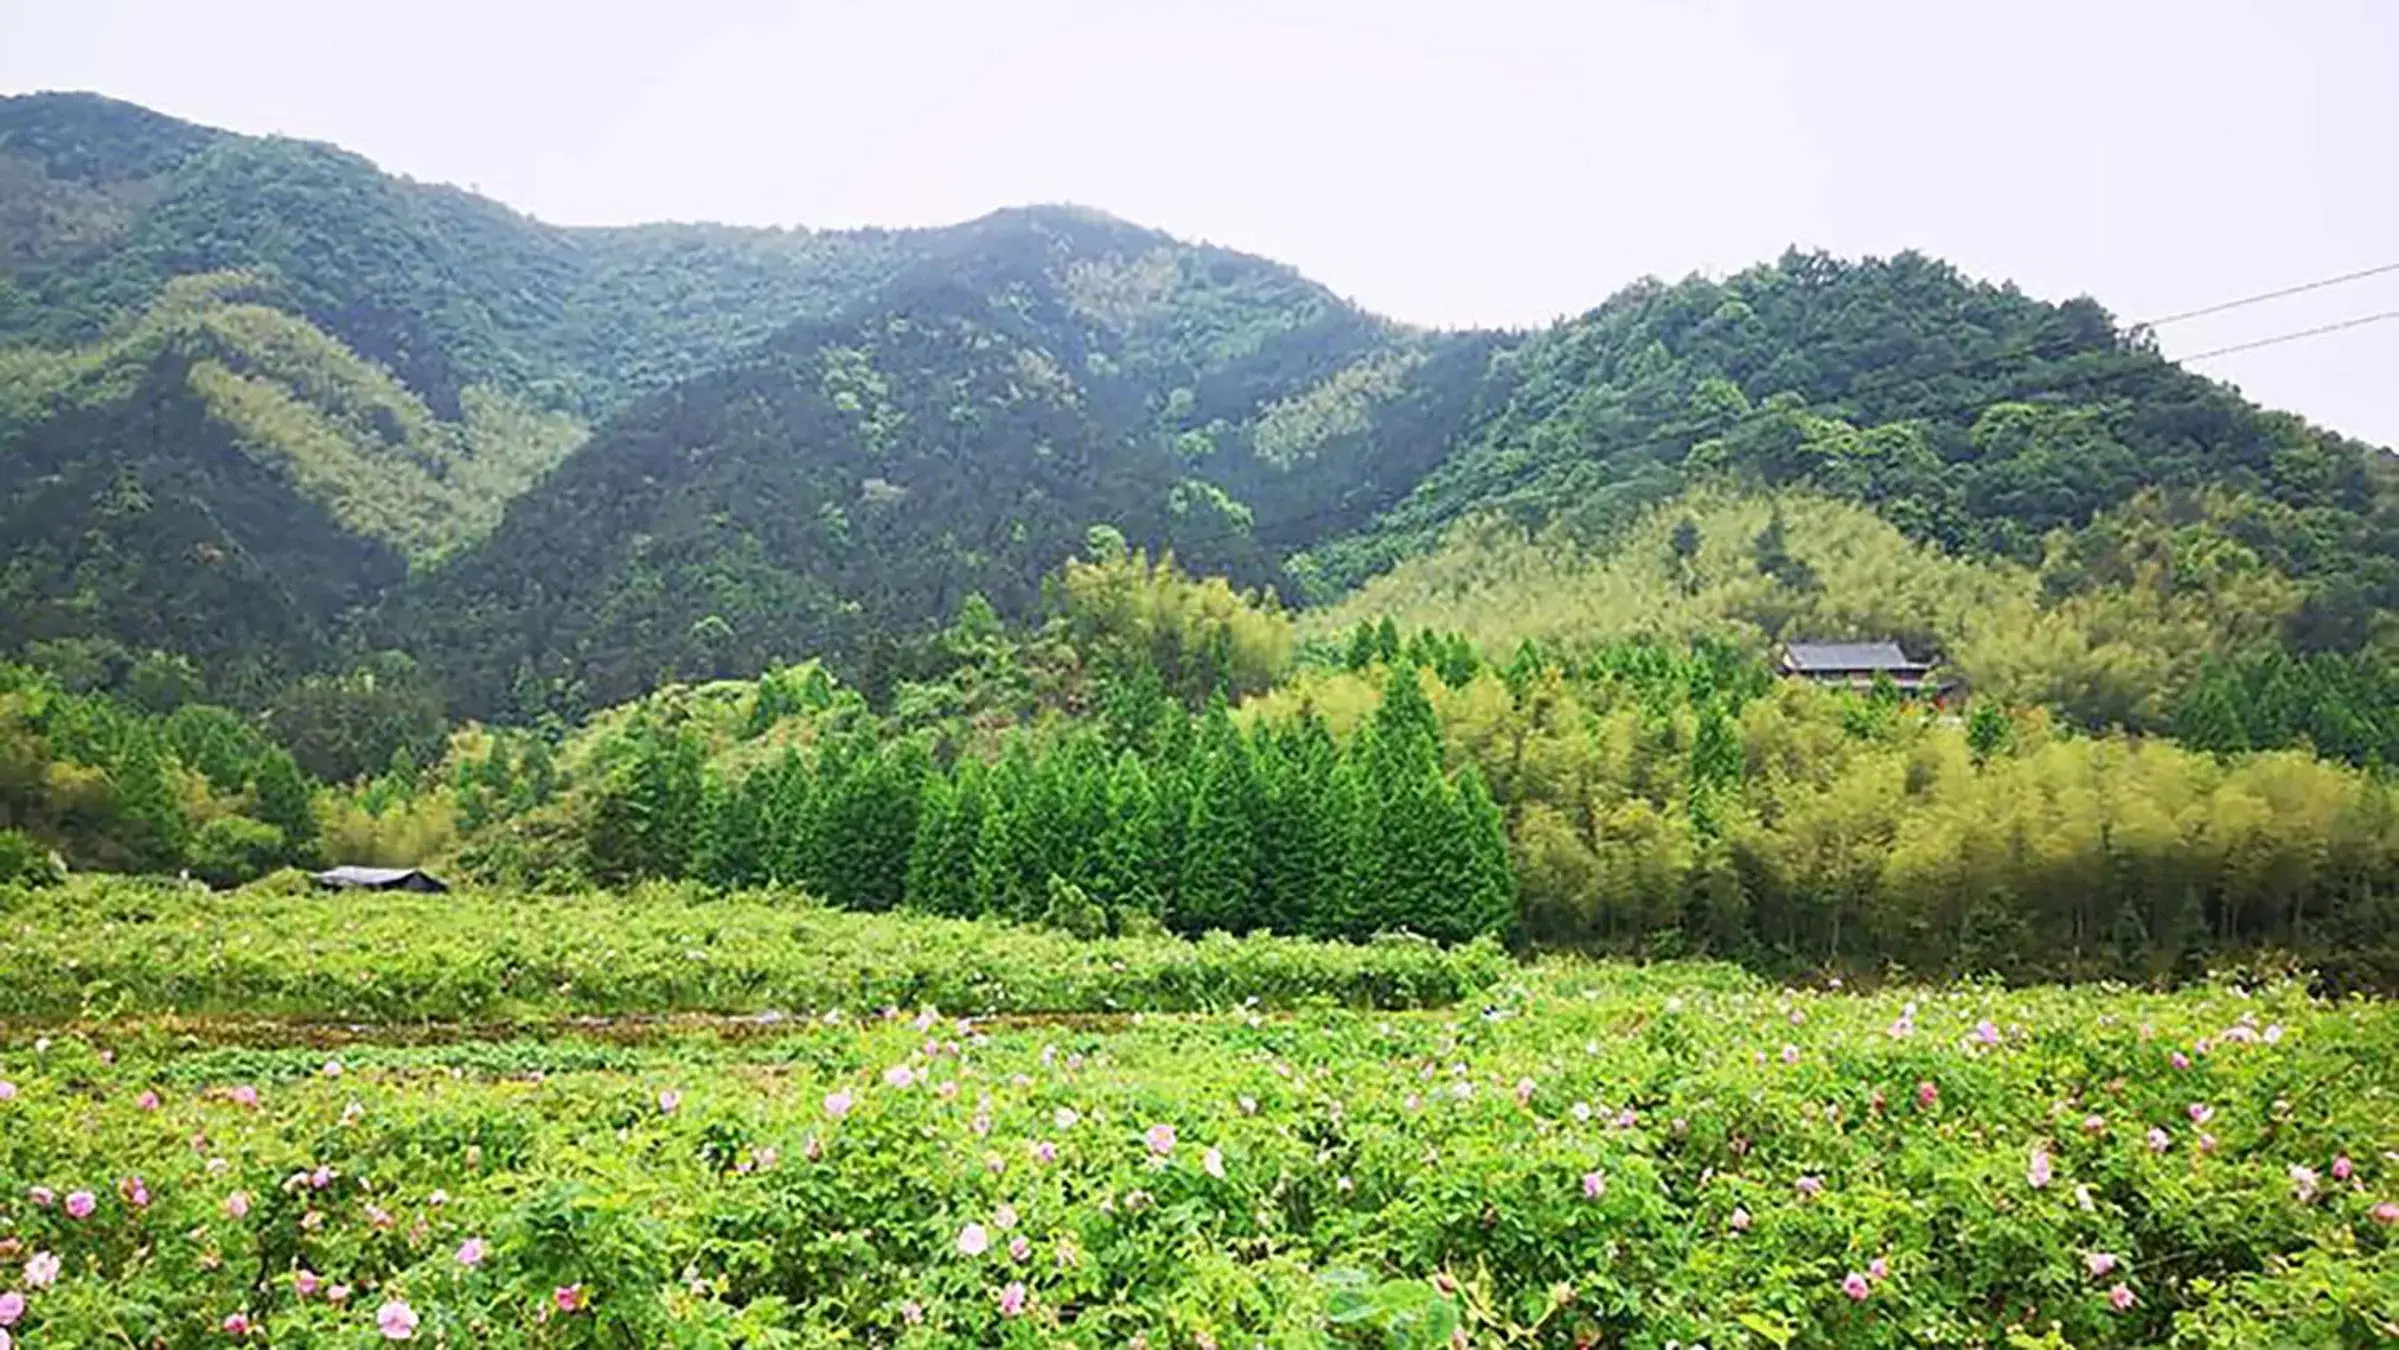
(958, 432)
(447, 290)
(266, 405)
(1968, 414)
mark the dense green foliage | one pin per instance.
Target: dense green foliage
(108, 786)
(2345, 706)
(258, 381)
(447, 290)
(2111, 630)
(279, 948)
(1969, 415)
(1594, 1156)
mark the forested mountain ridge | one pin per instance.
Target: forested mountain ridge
(957, 432)
(1969, 414)
(403, 359)
(337, 396)
(106, 201)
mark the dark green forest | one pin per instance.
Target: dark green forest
(1048, 566)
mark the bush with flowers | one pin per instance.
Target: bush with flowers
(1585, 1155)
(120, 945)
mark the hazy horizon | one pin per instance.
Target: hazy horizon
(1502, 169)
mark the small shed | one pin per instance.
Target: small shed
(380, 879)
(1856, 664)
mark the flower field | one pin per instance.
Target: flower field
(1575, 1155)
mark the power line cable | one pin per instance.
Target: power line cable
(2301, 289)
(2280, 338)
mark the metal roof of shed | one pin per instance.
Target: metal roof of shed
(1848, 656)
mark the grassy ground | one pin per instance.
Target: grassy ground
(1575, 1155)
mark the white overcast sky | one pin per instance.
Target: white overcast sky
(1470, 162)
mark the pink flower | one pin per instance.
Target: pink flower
(900, 1076)
(973, 1241)
(2036, 1169)
(80, 1204)
(1045, 1151)
(1019, 1248)
(1004, 1218)
(568, 1298)
(668, 1101)
(12, 1307)
(2120, 1297)
(305, 1282)
(339, 1293)
(1901, 1027)
(1012, 1299)
(1986, 1032)
(41, 1270)
(912, 1312)
(332, 1069)
(42, 1196)
(1740, 1219)
(2201, 1113)
(2207, 1143)
(1524, 1092)
(1879, 1268)
(8, 1091)
(244, 1095)
(237, 1324)
(2094, 1124)
(2159, 1140)
(1811, 1185)
(838, 1103)
(1161, 1139)
(135, 1191)
(2340, 1168)
(1854, 1284)
(1212, 1162)
(320, 1178)
(2385, 1213)
(2179, 1060)
(471, 1252)
(2303, 1182)
(397, 1321)
(1595, 1185)
(148, 1101)
(2100, 1264)
(237, 1205)
(1927, 1095)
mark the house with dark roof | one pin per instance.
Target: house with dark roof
(1856, 665)
(380, 879)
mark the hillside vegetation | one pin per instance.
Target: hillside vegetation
(1582, 1155)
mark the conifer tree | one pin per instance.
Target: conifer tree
(789, 808)
(1216, 880)
(1130, 858)
(286, 801)
(158, 830)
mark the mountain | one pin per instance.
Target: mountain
(264, 404)
(105, 202)
(315, 376)
(959, 431)
(1969, 414)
